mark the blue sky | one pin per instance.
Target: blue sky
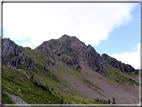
(111, 28)
(24, 42)
(124, 38)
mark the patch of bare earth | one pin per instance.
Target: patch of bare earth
(112, 90)
(80, 86)
(109, 88)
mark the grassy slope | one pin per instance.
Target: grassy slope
(36, 93)
(30, 92)
(62, 67)
(33, 92)
(120, 78)
(78, 75)
(6, 99)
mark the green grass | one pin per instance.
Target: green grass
(34, 93)
(52, 76)
(80, 77)
(6, 99)
(55, 89)
(122, 76)
(76, 75)
(76, 68)
(12, 55)
(79, 100)
(70, 59)
(91, 84)
(31, 91)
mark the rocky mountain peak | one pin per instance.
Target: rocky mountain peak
(65, 66)
(68, 49)
(64, 37)
(76, 43)
(72, 51)
(10, 46)
(104, 56)
(89, 47)
(14, 56)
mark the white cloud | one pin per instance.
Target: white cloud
(138, 46)
(27, 44)
(132, 58)
(90, 22)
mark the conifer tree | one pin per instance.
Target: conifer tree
(109, 101)
(113, 101)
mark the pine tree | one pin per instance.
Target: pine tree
(113, 101)
(62, 100)
(109, 101)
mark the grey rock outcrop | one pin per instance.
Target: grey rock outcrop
(24, 73)
(13, 55)
(38, 80)
(17, 100)
(19, 89)
(71, 51)
(125, 68)
(94, 61)
(73, 103)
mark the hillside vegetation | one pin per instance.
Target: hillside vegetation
(61, 72)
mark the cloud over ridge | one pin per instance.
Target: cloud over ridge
(90, 22)
(132, 58)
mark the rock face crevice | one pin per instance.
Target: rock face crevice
(14, 56)
(94, 60)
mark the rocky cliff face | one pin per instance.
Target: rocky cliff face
(125, 68)
(69, 50)
(65, 68)
(13, 55)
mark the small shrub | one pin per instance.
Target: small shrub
(62, 59)
(52, 89)
(36, 84)
(97, 100)
(12, 55)
(70, 59)
(32, 77)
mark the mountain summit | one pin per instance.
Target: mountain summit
(65, 71)
(72, 51)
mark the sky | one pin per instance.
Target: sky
(112, 28)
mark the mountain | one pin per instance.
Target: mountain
(65, 70)
(72, 52)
